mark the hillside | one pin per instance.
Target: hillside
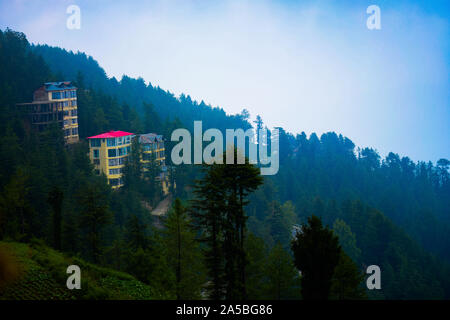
(394, 211)
(40, 274)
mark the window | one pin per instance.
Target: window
(67, 132)
(95, 142)
(74, 120)
(112, 153)
(66, 103)
(73, 113)
(115, 171)
(74, 103)
(73, 94)
(74, 131)
(112, 142)
(96, 153)
(127, 139)
(123, 151)
(119, 141)
(56, 95)
(66, 122)
(113, 162)
(97, 162)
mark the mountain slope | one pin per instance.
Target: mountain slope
(41, 275)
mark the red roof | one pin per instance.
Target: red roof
(111, 134)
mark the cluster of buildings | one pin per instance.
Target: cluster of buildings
(109, 151)
(56, 102)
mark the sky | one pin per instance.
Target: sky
(310, 66)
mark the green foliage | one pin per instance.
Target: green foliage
(347, 239)
(218, 208)
(184, 256)
(316, 252)
(282, 277)
(347, 280)
(396, 210)
(43, 277)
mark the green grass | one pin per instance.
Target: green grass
(43, 277)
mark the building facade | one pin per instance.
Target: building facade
(54, 102)
(108, 152)
(153, 149)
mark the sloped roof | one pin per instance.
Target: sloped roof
(150, 138)
(111, 134)
(56, 86)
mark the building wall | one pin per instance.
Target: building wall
(99, 155)
(160, 152)
(47, 107)
(102, 164)
(70, 108)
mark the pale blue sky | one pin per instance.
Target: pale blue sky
(303, 65)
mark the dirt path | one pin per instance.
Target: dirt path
(163, 206)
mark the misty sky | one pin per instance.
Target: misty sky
(302, 65)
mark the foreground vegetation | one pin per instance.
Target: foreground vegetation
(37, 272)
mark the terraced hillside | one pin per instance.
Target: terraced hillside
(37, 272)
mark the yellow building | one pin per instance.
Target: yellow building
(108, 152)
(55, 102)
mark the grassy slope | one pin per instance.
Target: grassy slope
(41, 275)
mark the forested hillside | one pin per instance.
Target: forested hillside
(391, 212)
(413, 195)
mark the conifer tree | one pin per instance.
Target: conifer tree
(219, 207)
(183, 253)
(95, 215)
(55, 199)
(316, 254)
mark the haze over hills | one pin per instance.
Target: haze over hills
(304, 65)
(394, 211)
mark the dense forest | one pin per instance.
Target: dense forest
(391, 212)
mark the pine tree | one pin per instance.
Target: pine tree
(95, 215)
(281, 274)
(183, 253)
(222, 195)
(316, 254)
(55, 199)
(347, 279)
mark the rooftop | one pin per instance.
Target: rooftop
(111, 134)
(55, 86)
(150, 138)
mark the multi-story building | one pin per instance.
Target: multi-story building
(153, 150)
(54, 102)
(108, 152)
